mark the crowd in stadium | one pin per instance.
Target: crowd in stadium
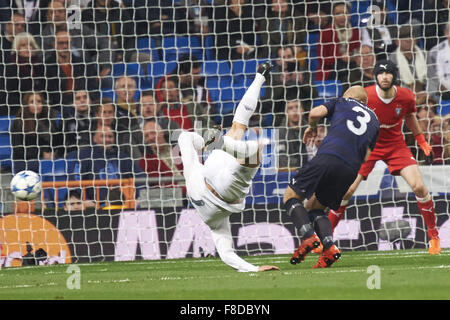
(57, 63)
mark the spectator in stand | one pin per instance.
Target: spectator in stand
(426, 111)
(77, 123)
(90, 46)
(192, 83)
(160, 159)
(10, 29)
(235, 30)
(282, 26)
(67, 71)
(446, 133)
(34, 134)
(150, 109)
(318, 14)
(337, 43)
(33, 11)
(105, 114)
(292, 152)
(433, 16)
(74, 202)
(198, 13)
(130, 133)
(172, 106)
(411, 60)
(437, 138)
(192, 88)
(109, 18)
(25, 70)
(380, 32)
(287, 79)
(361, 69)
(438, 73)
(103, 161)
(129, 138)
(125, 89)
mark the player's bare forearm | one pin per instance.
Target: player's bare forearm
(316, 114)
(268, 268)
(413, 124)
(367, 154)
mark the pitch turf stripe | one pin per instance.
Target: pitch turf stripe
(214, 260)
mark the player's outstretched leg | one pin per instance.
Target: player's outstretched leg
(233, 143)
(299, 217)
(322, 226)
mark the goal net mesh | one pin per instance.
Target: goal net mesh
(94, 95)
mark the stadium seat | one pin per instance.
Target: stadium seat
(208, 47)
(312, 41)
(156, 70)
(249, 66)
(244, 70)
(222, 89)
(148, 45)
(443, 108)
(5, 141)
(358, 12)
(175, 47)
(54, 170)
(216, 68)
(327, 90)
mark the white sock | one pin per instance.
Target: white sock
(249, 101)
(240, 149)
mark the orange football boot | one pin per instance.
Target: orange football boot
(328, 257)
(434, 246)
(304, 248)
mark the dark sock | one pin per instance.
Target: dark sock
(300, 219)
(322, 226)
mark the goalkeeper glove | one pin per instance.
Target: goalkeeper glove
(426, 148)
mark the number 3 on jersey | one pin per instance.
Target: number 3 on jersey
(361, 120)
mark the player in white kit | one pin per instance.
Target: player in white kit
(218, 187)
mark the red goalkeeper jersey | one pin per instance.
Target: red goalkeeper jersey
(391, 115)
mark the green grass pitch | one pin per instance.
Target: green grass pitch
(404, 274)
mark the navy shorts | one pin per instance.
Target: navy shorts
(327, 176)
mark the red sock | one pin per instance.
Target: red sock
(335, 216)
(427, 211)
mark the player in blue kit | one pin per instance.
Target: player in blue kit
(325, 179)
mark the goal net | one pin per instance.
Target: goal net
(95, 93)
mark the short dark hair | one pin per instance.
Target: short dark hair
(147, 93)
(73, 193)
(187, 63)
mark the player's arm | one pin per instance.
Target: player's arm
(224, 245)
(413, 125)
(367, 154)
(315, 115)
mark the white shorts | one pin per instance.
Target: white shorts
(223, 172)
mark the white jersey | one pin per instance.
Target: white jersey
(231, 181)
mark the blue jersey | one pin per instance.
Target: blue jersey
(353, 128)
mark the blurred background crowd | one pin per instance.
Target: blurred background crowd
(107, 84)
